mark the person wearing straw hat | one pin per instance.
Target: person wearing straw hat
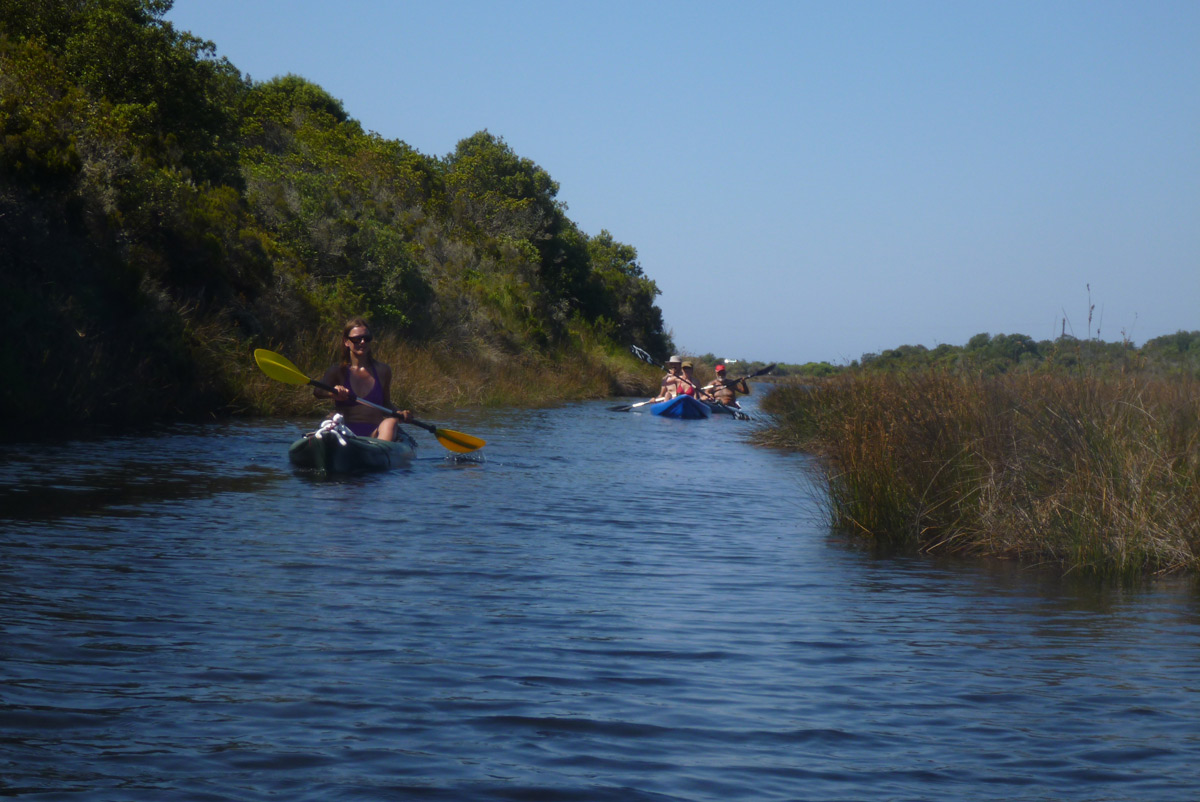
(670, 382)
(687, 384)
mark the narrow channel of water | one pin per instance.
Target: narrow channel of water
(609, 606)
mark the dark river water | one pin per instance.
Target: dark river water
(609, 606)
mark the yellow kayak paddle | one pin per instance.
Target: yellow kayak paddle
(280, 369)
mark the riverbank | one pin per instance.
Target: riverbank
(1093, 473)
(431, 378)
(154, 232)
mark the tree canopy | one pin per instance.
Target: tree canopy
(151, 194)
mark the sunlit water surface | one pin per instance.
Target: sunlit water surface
(610, 606)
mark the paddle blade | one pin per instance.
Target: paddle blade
(278, 367)
(760, 372)
(622, 408)
(457, 441)
(643, 355)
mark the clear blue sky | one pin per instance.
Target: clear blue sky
(809, 180)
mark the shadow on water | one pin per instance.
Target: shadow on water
(114, 490)
(446, 461)
(123, 475)
(1099, 593)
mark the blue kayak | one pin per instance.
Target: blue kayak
(681, 406)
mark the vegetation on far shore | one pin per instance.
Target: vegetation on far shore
(1086, 457)
(161, 216)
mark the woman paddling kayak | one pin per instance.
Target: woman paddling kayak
(687, 384)
(359, 375)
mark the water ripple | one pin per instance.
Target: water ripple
(610, 607)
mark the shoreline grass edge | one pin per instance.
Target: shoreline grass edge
(1091, 473)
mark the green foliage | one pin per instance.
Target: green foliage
(817, 370)
(991, 355)
(498, 199)
(1180, 350)
(159, 213)
(180, 101)
(40, 115)
(346, 203)
(624, 295)
(496, 192)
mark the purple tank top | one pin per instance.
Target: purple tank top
(374, 395)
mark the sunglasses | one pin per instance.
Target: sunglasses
(360, 339)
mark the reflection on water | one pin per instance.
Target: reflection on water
(86, 477)
(609, 606)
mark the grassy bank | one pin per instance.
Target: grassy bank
(437, 378)
(1092, 473)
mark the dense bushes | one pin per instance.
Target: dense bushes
(160, 215)
(989, 354)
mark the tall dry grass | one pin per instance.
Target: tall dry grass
(1093, 473)
(439, 377)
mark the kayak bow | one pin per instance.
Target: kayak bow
(333, 448)
(681, 406)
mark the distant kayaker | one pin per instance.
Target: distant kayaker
(670, 382)
(725, 390)
(687, 384)
(359, 374)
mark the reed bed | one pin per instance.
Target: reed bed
(1093, 473)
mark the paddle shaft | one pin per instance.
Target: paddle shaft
(280, 369)
(627, 407)
(758, 372)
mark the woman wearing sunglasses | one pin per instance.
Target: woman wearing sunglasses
(360, 375)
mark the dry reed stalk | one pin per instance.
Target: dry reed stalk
(1098, 474)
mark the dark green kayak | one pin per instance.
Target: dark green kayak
(335, 449)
